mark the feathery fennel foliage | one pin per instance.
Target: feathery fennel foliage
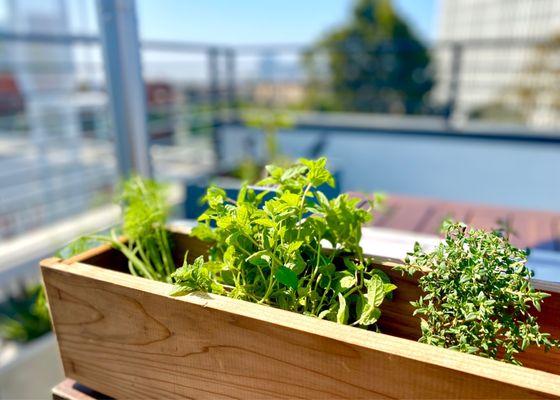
(144, 215)
(145, 211)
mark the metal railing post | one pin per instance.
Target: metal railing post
(127, 97)
(214, 98)
(454, 83)
(231, 71)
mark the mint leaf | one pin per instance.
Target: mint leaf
(287, 277)
(342, 314)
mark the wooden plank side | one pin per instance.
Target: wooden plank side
(397, 318)
(549, 321)
(125, 337)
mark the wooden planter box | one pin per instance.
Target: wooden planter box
(125, 337)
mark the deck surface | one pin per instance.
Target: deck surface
(69, 389)
(534, 229)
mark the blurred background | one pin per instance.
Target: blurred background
(450, 107)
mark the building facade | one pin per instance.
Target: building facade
(499, 59)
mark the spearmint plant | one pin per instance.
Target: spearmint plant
(478, 296)
(271, 252)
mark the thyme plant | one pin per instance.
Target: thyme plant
(271, 252)
(478, 297)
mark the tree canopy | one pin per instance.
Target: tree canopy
(375, 63)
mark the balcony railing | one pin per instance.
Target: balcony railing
(58, 139)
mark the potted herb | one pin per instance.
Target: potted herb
(272, 297)
(24, 316)
(271, 252)
(250, 169)
(27, 347)
(477, 296)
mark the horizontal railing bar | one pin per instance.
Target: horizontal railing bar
(48, 38)
(53, 91)
(97, 187)
(95, 178)
(32, 169)
(170, 117)
(498, 42)
(34, 209)
(436, 126)
(28, 141)
(171, 45)
(20, 255)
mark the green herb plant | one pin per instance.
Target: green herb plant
(79, 245)
(271, 251)
(269, 122)
(144, 211)
(25, 316)
(477, 295)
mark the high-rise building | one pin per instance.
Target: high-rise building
(505, 59)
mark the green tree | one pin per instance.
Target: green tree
(375, 63)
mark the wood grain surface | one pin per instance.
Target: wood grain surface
(534, 229)
(126, 337)
(397, 318)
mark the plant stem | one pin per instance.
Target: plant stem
(133, 259)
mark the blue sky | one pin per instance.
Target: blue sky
(258, 21)
(241, 21)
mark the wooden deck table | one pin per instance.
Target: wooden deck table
(534, 229)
